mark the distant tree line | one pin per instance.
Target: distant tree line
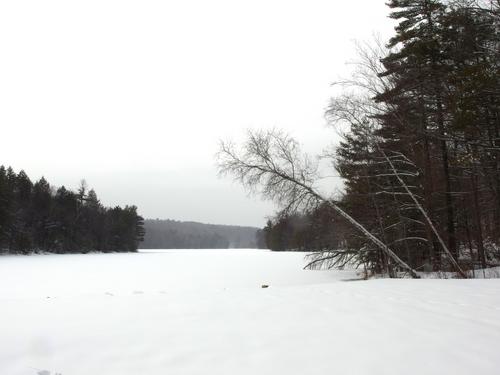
(315, 230)
(38, 217)
(420, 155)
(172, 234)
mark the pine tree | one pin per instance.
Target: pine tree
(33, 217)
(5, 210)
(419, 70)
(43, 224)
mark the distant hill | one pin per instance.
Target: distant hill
(172, 234)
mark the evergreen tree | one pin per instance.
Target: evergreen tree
(5, 211)
(33, 217)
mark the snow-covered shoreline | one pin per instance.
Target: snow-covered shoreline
(204, 312)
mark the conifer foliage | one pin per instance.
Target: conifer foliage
(37, 217)
(420, 155)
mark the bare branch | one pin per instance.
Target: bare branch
(272, 164)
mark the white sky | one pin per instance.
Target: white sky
(134, 95)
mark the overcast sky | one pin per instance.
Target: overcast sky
(134, 95)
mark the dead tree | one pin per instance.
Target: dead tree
(271, 163)
(408, 191)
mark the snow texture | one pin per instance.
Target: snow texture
(206, 312)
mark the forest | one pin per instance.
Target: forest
(173, 234)
(419, 156)
(36, 217)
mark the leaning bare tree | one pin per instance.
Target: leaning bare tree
(399, 157)
(272, 164)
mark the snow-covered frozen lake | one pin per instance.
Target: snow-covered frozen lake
(204, 312)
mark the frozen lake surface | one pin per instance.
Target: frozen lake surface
(204, 312)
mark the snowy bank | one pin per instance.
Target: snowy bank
(204, 312)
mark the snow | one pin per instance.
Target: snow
(205, 312)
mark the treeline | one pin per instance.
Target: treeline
(420, 155)
(316, 230)
(38, 217)
(172, 234)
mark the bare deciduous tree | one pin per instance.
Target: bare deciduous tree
(419, 206)
(272, 164)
